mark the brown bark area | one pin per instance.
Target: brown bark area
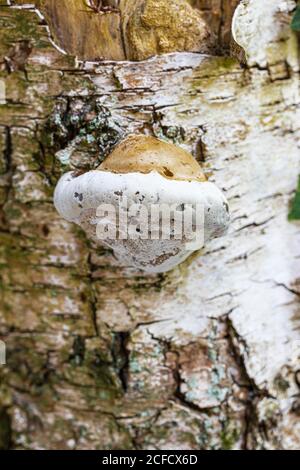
(138, 29)
(96, 358)
(218, 14)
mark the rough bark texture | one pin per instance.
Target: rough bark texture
(138, 29)
(205, 357)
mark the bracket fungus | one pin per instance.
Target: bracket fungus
(149, 201)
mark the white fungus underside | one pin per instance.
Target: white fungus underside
(77, 199)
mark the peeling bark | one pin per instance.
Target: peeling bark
(205, 357)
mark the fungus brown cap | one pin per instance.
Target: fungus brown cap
(145, 154)
(114, 204)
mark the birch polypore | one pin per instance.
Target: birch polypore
(154, 184)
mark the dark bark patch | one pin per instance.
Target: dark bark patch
(5, 430)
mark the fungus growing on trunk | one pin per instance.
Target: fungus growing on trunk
(149, 201)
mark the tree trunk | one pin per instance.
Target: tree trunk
(203, 357)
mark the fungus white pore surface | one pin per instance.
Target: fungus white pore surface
(78, 199)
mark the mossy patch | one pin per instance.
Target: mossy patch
(228, 438)
(294, 213)
(295, 25)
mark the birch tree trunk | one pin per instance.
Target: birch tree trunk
(204, 357)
